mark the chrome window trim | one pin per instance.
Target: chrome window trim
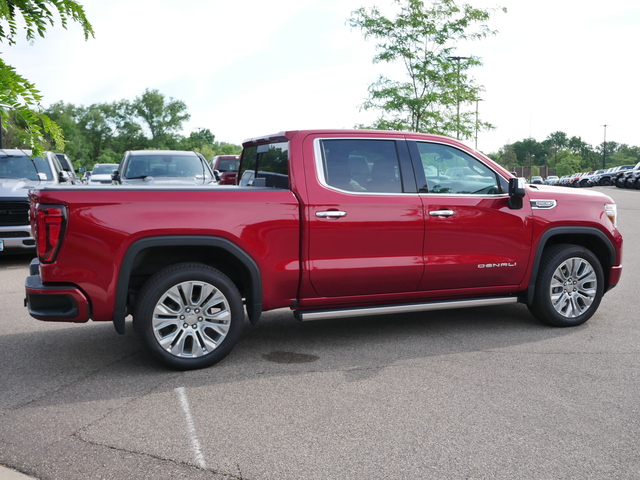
(465, 195)
(319, 164)
(319, 167)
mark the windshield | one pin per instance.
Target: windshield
(21, 166)
(166, 165)
(104, 169)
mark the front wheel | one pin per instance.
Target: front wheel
(188, 316)
(569, 286)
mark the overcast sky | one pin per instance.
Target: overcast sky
(251, 68)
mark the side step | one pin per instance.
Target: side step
(308, 315)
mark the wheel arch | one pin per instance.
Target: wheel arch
(589, 237)
(147, 256)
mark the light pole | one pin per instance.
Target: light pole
(604, 148)
(477, 100)
(457, 59)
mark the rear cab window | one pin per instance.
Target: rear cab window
(266, 166)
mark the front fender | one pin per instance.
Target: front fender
(586, 236)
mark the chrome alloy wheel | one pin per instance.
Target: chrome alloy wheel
(573, 287)
(191, 319)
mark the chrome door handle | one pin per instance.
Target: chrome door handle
(441, 213)
(331, 214)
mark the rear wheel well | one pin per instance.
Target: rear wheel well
(147, 256)
(153, 259)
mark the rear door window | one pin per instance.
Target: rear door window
(361, 165)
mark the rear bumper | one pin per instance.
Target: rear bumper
(57, 303)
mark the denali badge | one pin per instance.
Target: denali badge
(496, 265)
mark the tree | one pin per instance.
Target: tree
(16, 92)
(164, 119)
(530, 152)
(567, 163)
(77, 144)
(423, 39)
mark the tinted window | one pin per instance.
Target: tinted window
(228, 164)
(448, 170)
(266, 165)
(361, 165)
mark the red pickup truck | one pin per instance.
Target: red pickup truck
(331, 224)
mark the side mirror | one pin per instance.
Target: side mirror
(517, 191)
(115, 177)
(216, 174)
(62, 178)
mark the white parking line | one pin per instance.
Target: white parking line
(191, 430)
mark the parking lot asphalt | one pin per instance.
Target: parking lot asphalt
(462, 394)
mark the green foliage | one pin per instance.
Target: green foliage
(102, 132)
(164, 119)
(567, 163)
(17, 94)
(565, 155)
(423, 39)
(108, 156)
(37, 16)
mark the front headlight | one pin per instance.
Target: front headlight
(611, 210)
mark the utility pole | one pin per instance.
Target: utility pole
(457, 59)
(604, 148)
(477, 100)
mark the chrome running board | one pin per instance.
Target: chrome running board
(308, 315)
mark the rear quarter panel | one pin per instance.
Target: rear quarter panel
(104, 222)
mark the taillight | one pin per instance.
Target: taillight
(49, 223)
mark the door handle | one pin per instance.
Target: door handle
(442, 213)
(331, 214)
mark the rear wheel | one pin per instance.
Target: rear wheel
(569, 286)
(189, 316)
(605, 182)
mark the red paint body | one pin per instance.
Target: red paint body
(387, 249)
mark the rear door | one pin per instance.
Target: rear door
(364, 218)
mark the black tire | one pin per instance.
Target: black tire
(605, 182)
(569, 286)
(188, 316)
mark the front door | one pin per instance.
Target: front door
(472, 238)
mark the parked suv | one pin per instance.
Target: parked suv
(622, 176)
(18, 173)
(609, 177)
